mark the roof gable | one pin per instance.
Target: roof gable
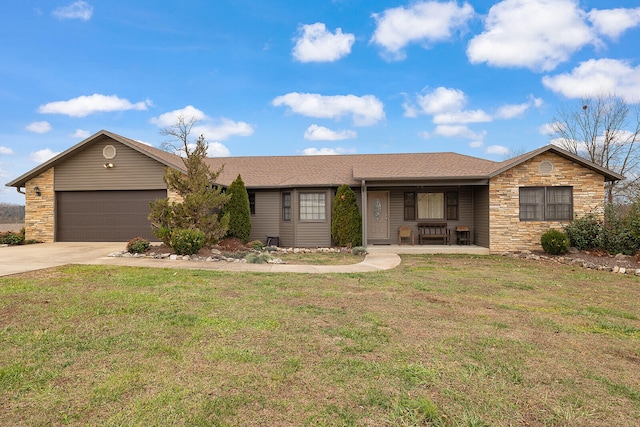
(609, 175)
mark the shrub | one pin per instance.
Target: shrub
(359, 250)
(187, 241)
(256, 245)
(346, 220)
(584, 233)
(254, 258)
(137, 245)
(555, 242)
(238, 209)
(11, 238)
(617, 236)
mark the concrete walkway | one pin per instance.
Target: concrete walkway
(20, 259)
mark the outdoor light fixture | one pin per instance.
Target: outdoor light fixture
(37, 190)
(108, 165)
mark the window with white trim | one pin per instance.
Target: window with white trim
(312, 206)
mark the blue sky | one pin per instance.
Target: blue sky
(285, 77)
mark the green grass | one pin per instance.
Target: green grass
(438, 341)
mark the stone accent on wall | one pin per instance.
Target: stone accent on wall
(40, 210)
(507, 232)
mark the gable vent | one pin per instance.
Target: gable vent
(109, 152)
(546, 168)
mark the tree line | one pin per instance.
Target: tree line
(11, 214)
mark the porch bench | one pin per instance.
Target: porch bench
(434, 231)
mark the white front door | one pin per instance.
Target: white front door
(378, 215)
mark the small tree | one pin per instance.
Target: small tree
(346, 220)
(201, 200)
(605, 130)
(238, 210)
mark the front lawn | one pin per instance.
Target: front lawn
(440, 340)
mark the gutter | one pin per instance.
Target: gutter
(21, 192)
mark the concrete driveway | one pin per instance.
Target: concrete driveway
(20, 259)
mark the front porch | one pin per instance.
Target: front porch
(428, 249)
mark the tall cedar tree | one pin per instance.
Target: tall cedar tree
(346, 220)
(201, 201)
(238, 210)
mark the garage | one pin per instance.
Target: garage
(104, 216)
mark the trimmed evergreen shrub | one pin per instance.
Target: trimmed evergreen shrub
(238, 210)
(187, 241)
(584, 233)
(346, 220)
(555, 242)
(137, 245)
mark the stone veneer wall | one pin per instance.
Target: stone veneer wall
(40, 210)
(507, 232)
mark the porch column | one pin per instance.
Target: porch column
(363, 192)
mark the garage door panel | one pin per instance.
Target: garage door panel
(104, 216)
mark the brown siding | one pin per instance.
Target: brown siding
(310, 233)
(266, 221)
(465, 210)
(480, 235)
(508, 233)
(131, 170)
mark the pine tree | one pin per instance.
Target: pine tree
(346, 220)
(201, 201)
(238, 210)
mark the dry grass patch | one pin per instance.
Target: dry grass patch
(441, 340)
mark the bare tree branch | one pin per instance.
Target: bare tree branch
(606, 131)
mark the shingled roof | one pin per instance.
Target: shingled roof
(330, 171)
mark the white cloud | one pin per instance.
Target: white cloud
(171, 118)
(598, 76)
(76, 10)
(498, 149)
(326, 151)
(5, 150)
(459, 131)
(510, 111)
(467, 116)
(476, 144)
(221, 129)
(442, 100)
(613, 22)
(43, 155)
(546, 129)
(81, 133)
(316, 44)
(217, 149)
(321, 133)
(212, 129)
(82, 106)
(425, 22)
(39, 127)
(535, 34)
(364, 110)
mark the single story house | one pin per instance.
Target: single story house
(100, 189)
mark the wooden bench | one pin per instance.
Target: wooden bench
(434, 231)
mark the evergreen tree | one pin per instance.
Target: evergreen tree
(238, 210)
(200, 201)
(346, 220)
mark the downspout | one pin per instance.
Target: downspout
(363, 192)
(21, 192)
